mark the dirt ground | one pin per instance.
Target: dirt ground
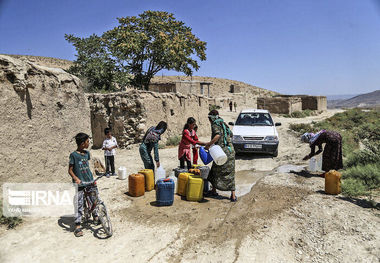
(285, 217)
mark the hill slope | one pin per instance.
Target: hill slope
(371, 99)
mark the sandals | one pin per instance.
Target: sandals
(233, 199)
(78, 232)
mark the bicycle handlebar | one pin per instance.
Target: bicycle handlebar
(92, 182)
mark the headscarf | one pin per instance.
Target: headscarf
(215, 119)
(311, 137)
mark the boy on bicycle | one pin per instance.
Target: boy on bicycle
(79, 170)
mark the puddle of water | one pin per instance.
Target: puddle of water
(287, 168)
(244, 181)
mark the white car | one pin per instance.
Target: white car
(255, 131)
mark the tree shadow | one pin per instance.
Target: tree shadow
(252, 156)
(306, 174)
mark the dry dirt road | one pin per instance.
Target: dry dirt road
(285, 217)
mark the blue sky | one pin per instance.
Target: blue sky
(324, 47)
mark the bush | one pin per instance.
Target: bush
(353, 187)
(301, 128)
(300, 114)
(365, 177)
(173, 140)
(371, 154)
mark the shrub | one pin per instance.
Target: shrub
(371, 154)
(353, 187)
(300, 114)
(301, 128)
(367, 177)
(173, 140)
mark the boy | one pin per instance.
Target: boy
(109, 145)
(79, 170)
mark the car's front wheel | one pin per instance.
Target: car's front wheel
(275, 154)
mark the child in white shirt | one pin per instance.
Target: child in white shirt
(109, 145)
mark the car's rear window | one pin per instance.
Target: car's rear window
(254, 119)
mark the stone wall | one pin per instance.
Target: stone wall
(280, 105)
(41, 110)
(130, 113)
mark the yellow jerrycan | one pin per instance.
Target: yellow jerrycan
(194, 188)
(149, 179)
(332, 182)
(196, 166)
(182, 183)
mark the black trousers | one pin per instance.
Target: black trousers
(110, 163)
(182, 163)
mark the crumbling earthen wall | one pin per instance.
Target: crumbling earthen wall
(131, 113)
(281, 105)
(41, 110)
(317, 103)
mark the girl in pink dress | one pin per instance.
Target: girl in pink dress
(188, 138)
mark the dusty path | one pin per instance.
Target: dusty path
(285, 218)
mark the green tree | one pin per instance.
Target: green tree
(142, 46)
(93, 62)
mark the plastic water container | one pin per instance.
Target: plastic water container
(175, 180)
(218, 155)
(205, 170)
(165, 192)
(182, 183)
(178, 171)
(195, 166)
(315, 164)
(149, 179)
(160, 173)
(194, 188)
(136, 183)
(122, 173)
(205, 156)
(332, 182)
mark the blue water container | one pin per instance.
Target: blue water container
(205, 156)
(165, 192)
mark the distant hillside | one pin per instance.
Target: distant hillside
(371, 99)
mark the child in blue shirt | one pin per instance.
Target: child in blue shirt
(79, 170)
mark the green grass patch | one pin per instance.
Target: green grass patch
(301, 114)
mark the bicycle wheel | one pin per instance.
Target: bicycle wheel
(105, 219)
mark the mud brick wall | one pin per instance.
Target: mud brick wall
(280, 105)
(131, 113)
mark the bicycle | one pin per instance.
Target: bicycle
(93, 204)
